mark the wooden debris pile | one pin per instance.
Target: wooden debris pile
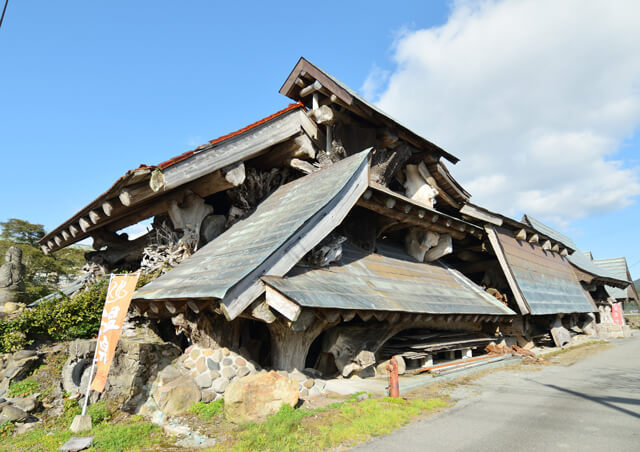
(166, 249)
(419, 344)
(256, 187)
(495, 349)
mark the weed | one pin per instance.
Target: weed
(107, 437)
(98, 412)
(337, 424)
(206, 411)
(23, 388)
(121, 437)
(282, 431)
(7, 428)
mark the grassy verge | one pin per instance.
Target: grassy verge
(134, 435)
(339, 424)
(130, 433)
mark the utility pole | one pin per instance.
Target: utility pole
(6, 2)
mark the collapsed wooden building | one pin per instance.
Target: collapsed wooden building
(328, 235)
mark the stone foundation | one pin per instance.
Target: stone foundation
(213, 370)
(612, 331)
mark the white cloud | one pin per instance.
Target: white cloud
(534, 96)
(374, 82)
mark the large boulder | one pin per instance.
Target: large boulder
(17, 366)
(12, 413)
(177, 395)
(255, 397)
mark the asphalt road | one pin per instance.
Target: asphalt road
(592, 405)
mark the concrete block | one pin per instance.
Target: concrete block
(81, 423)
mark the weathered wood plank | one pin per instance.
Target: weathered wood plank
(497, 248)
(241, 147)
(283, 304)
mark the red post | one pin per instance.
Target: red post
(394, 388)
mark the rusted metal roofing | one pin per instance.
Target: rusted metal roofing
(617, 266)
(143, 173)
(545, 279)
(387, 281)
(550, 232)
(213, 270)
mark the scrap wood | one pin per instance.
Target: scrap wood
(495, 349)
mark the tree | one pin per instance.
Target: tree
(21, 231)
(43, 272)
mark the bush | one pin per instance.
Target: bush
(56, 320)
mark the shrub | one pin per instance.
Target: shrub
(57, 320)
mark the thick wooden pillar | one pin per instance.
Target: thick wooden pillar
(290, 344)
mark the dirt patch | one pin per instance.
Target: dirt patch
(572, 355)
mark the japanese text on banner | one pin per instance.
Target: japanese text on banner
(119, 294)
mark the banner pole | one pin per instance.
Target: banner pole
(93, 364)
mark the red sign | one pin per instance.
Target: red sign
(119, 294)
(616, 314)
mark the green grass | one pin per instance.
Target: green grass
(23, 388)
(207, 411)
(107, 437)
(342, 423)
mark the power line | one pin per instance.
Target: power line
(6, 2)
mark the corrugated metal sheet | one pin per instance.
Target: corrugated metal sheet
(387, 281)
(546, 279)
(618, 267)
(143, 173)
(550, 232)
(66, 290)
(222, 263)
(581, 261)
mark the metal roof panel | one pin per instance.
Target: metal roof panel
(226, 260)
(546, 279)
(387, 281)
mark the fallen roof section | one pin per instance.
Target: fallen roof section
(548, 231)
(187, 168)
(344, 95)
(583, 261)
(284, 227)
(387, 281)
(389, 203)
(618, 267)
(474, 213)
(601, 273)
(542, 281)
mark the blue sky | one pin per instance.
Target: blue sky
(92, 89)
